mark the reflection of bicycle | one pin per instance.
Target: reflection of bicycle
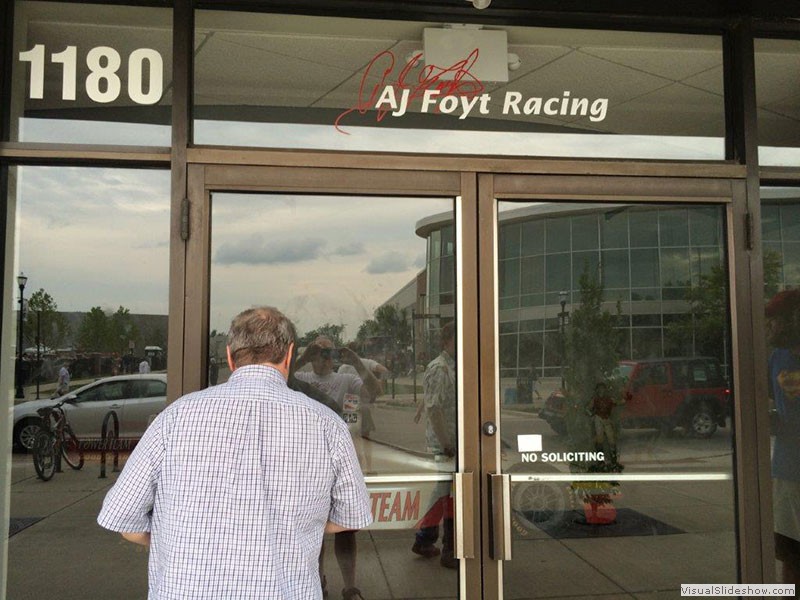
(55, 438)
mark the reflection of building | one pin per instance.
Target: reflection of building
(647, 259)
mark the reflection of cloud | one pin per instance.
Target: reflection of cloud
(255, 250)
(388, 262)
(152, 245)
(350, 249)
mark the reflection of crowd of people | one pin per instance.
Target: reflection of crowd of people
(783, 315)
(350, 392)
(439, 407)
(232, 487)
(138, 508)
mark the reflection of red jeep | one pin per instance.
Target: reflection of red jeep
(664, 393)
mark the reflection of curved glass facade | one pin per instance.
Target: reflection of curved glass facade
(648, 259)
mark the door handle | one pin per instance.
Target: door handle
(465, 515)
(500, 520)
(115, 406)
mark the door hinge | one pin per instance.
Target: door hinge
(748, 230)
(185, 219)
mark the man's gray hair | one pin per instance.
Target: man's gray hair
(260, 335)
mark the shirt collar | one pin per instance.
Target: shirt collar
(257, 372)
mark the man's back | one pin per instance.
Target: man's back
(246, 474)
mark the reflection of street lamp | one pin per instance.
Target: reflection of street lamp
(21, 281)
(562, 299)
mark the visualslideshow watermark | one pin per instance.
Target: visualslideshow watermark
(739, 589)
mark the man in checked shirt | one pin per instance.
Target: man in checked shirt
(233, 486)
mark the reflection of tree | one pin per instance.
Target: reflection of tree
(591, 341)
(93, 330)
(156, 337)
(45, 321)
(100, 333)
(703, 330)
(122, 331)
(329, 330)
(389, 321)
(590, 356)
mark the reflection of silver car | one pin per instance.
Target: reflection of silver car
(135, 399)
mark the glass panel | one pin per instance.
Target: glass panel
(94, 246)
(532, 238)
(557, 235)
(353, 281)
(778, 100)
(584, 233)
(616, 272)
(644, 229)
(644, 268)
(782, 300)
(91, 74)
(360, 84)
(614, 231)
(674, 227)
(532, 275)
(616, 424)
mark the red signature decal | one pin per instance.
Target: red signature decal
(459, 82)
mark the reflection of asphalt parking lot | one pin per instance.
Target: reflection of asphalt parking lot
(698, 517)
(638, 449)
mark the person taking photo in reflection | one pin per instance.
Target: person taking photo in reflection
(349, 392)
(783, 320)
(439, 403)
(232, 487)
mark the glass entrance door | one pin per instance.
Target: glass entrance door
(609, 381)
(374, 285)
(557, 397)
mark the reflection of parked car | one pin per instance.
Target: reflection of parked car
(135, 398)
(663, 393)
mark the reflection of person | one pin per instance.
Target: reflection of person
(439, 402)
(233, 486)
(348, 391)
(213, 371)
(601, 408)
(144, 366)
(783, 313)
(380, 372)
(62, 387)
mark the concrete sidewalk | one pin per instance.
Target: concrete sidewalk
(65, 554)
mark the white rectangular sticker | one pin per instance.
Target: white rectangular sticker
(529, 443)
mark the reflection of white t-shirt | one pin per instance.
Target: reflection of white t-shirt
(144, 367)
(342, 388)
(351, 370)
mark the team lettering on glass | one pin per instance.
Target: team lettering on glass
(145, 71)
(453, 90)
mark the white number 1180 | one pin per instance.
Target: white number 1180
(103, 85)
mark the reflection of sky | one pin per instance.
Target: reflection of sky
(319, 259)
(386, 139)
(95, 237)
(68, 131)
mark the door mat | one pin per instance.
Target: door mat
(17, 525)
(572, 525)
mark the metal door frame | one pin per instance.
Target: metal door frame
(190, 349)
(479, 182)
(753, 513)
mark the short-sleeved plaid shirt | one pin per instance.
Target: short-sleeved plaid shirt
(235, 484)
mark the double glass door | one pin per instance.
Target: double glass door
(555, 415)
